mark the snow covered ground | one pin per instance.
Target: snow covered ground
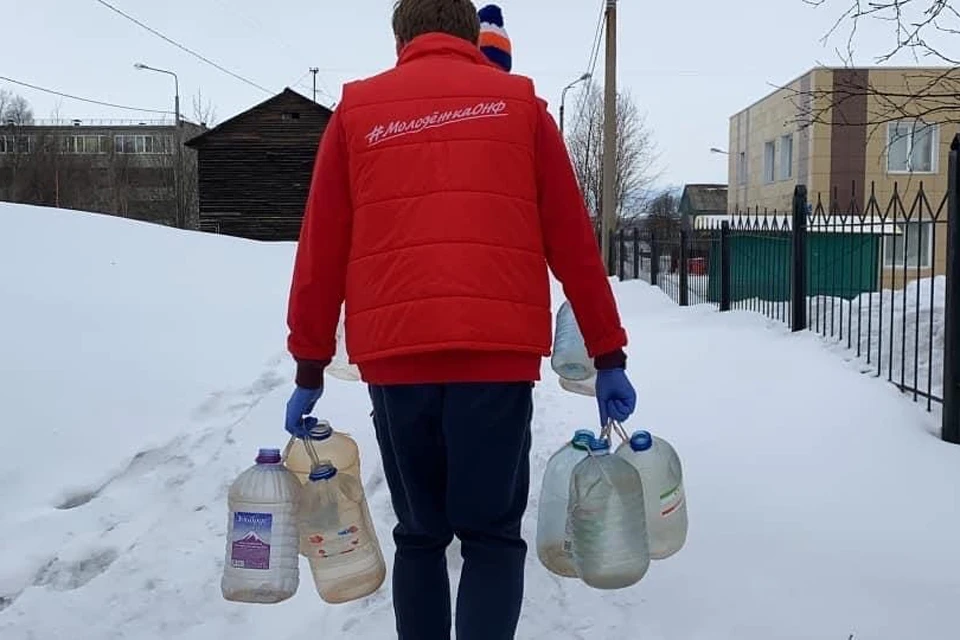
(143, 367)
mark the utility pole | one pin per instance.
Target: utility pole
(608, 200)
(314, 71)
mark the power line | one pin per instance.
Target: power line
(181, 47)
(259, 28)
(594, 58)
(88, 100)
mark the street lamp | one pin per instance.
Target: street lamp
(176, 86)
(563, 96)
(178, 168)
(720, 151)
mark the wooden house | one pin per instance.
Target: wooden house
(254, 170)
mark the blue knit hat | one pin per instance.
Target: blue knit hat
(494, 41)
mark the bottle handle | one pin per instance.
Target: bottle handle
(614, 426)
(307, 444)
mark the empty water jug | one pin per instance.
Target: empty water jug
(337, 536)
(662, 477)
(322, 443)
(340, 366)
(262, 565)
(553, 541)
(607, 522)
(586, 387)
(570, 359)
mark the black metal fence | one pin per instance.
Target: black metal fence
(881, 279)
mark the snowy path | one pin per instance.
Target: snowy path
(821, 503)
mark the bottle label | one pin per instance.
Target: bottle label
(330, 544)
(671, 501)
(250, 547)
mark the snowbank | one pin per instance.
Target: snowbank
(144, 366)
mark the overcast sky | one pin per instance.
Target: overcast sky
(689, 64)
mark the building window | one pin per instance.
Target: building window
(141, 144)
(83, 144)
(17, 144)
(786, 157)
(769, 161)
(912, 147)
(912, 246)
(742, 167)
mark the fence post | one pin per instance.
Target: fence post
(684, 274)
(654, 260)
(725, 266)
(611, 252)
(621, 259)
(636, 252)
(798, 287)
(951, 330)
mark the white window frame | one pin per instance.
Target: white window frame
(786, 159)
(925, 259)
(934, 147)
(76, 145)
(769, 161)
(742, 167)
(159, 144)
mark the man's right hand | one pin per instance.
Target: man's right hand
(299, 406)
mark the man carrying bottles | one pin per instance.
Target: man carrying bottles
(441, 195)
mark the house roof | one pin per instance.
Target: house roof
(307, 103)
(704, 198)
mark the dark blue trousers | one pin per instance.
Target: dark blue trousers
(456, 459)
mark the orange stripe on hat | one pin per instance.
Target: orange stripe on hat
(494, 39)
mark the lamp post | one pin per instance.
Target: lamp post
(563, 96)
(176, 86)
(720, 151)
(178, 166)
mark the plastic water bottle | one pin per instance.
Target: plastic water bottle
(586, 387)
(607, 521)
(570, 359)
(261, 564)
(322, 443)
(340, 366)
(553, 541)
(662, 477)
(337, 536)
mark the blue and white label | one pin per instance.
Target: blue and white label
(250, 546)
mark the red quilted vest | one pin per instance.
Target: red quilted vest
(447, 251)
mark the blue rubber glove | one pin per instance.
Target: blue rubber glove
(300, 404)
(616, 397)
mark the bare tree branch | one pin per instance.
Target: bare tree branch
(915, 24)
(637, 155)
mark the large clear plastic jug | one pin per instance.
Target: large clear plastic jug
(337, 536)
(340, 366)
(322, 443)
(607, 521)
(262, 565)
(662, 477)
(553, 542)
(570, 359)
(586, 387)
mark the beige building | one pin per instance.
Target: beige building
(846, 133)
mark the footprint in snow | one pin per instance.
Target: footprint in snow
(69, 575)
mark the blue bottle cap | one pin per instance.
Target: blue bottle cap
(581, 439)
(323, 471)
(599, 445)
(268, 456)
(320, 431)
(641, 440)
